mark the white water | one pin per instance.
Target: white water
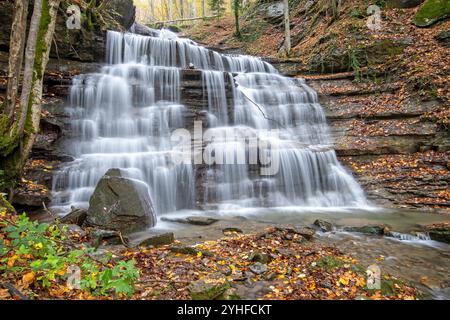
(123, 117)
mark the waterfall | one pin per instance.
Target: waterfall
(124, 115)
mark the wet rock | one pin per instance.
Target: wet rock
(194, 220)
(30, 199)
(323, 225)
(151, 238)
(108, 237)
(76, 216)
(232, 229)
(207, 290)
(184, 250)
(370, 229)
(305, 232)
(260, 257)
(258, 268)
(120, 204)
(439, 232)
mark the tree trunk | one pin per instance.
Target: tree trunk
(29, 65)
(287, 30)
(16, 47)
(236, 8)
(44, 43)
(203, 9)
(169, 9)
(181, 9)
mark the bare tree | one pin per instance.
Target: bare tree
(16, 47)
(287, 29)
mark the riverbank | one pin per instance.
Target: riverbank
(275, 263)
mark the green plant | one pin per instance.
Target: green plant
(44, 253)
(354, 63)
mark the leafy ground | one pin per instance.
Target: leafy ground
(278, 263)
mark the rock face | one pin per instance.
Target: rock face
(121, 204)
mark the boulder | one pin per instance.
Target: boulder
(431, 12)
(443, 37)
(260, 257)
(120, 204)
(153, 238)
(208, 289)
(76, 216)
(323, 225)
(439, 232)
(370, 229)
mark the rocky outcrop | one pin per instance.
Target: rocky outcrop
(121, 204)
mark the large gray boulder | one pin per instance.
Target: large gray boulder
(121, 204)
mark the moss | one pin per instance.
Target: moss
(431, 12)
(9, 137)
(329, 262)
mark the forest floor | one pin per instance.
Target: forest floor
(278, 263)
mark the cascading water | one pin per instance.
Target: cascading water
(124, 115)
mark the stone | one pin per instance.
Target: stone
(432, 11)
(30, 199)
(275, 10)
(323, 225)
(258, 268)
(260, 257)
(305, 232)
(232, 229)
(443, 37)
(120, 204)
(439, 232)
(110, 237)
(194, 220)
(152, 239)
(207, 290)
(370, 229)
(76, 216)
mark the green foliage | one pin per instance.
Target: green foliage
(44, 250)
(354, 63)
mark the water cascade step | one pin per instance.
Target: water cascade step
(125, 115)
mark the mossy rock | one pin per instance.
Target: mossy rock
(203, 290)
(431, 12)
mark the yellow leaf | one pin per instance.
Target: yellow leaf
(38, 246)
(343, 281)
(28, 278)
(199, 254)
(12, 260)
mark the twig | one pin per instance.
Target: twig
(259, 108)
(13, 291)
